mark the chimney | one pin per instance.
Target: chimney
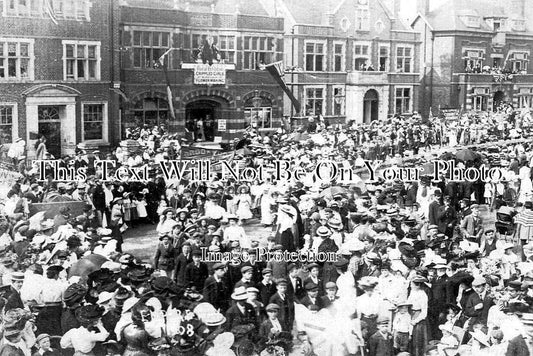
(518, 7)
(422, 6)
(397, 7)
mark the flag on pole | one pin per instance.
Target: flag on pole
(161, 61)
(276, 71)
(50, 11)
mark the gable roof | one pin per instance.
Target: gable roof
(450, 15)
(245, 7)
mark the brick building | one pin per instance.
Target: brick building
(330, 46)
(216, 101)
(460, 39)
(56, 70)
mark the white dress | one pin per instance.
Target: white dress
(266, 213)
(347, 292)
(244, 205)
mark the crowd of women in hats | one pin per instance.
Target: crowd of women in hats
(409, 135)
(417, 270)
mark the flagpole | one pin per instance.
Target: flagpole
(167, 80)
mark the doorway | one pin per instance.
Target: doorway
(370, 106)
(50, 127)
(200, 119)
(499, 97)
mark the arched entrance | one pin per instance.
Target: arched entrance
(370, 106)
(499, 97)
(201, 116)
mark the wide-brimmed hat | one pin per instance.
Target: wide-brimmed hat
(239, 293)
(323, 231)
(481, 337)
(89, 312)
(167, 210)
(122, 293)
(404, 303)
(335, 223)
(478, 281)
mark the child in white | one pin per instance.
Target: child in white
(402, 328)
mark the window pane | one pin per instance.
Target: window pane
(156, 41)
(70, 68)
(309, 62)
(12, 68)
(1, 49)
(399, 51)
(70, 51)
(310, 48)
(80, 52)
(24, 49)
(92, 69)
(93, 122)
(136, 38)
(319, 48)
(24, 62)
(2, 67)
(92, 51)
(146, 39)
(12, 49)
(137, 57)
(338, 49)
(164, 40)
(407, 52)
(81, 69)
(319, 63)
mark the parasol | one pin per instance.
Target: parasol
(466, 155)
(86, 265)
(332, 191)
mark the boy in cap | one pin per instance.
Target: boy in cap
(216, 291)
(267, 288)
(380, 343)
(285, 303)
(44, 348)
(312, 296)
(331, 295)
(196, 272)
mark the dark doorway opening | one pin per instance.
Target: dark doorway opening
(50, 127)
(499, 97)
(201, 119)
(370, 106)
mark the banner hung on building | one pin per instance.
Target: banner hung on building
(209, 74)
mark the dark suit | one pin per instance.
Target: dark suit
(286, 311)
(478, 316)
(234, 317)
(195, 276)
(320, 285)
(242, 283)
(326, 302)
(307, 302)
(165, 257)
(265, 292)
(13, 300)
(295, 293)
(378, 345)
(181, 264)
(216, 293)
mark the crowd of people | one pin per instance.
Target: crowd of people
(413, 268)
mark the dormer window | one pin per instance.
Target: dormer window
(518, 25)
(497, 25)
(472, 21)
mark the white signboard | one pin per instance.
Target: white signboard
(210, 74)
(221, 125)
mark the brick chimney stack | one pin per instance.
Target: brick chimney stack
(422, 6)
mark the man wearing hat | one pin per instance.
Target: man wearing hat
(13, 296)
(241, 312)
(246, 279)
(472, 225)
(13, 344)
(272, 328)
(196, 272)
(286, 305)
(43, 346)
(267, 288)
(380, 343)
(216, 291)
(312, 296)
(478, 303)
(331, 294)
(182, 261)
